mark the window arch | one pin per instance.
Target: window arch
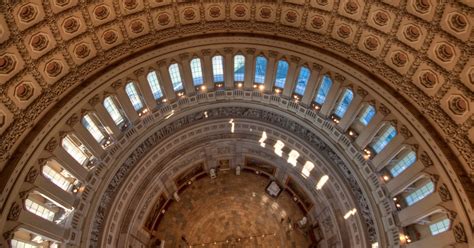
(24, 238)
(239, 68)
(218, 68)
(134, 97)
(343, 103)
(92, 123)
(367, 114)
(404, 161)
(44, 207)
(196, 71)
(302, 80)
(260, 69)
(323, 90)
(281, 74)
(154, 83)
(55, 173)
(114, 111)
(175, 76)
(384, 136)
(440, 226)
(74, 147)
(420, 193)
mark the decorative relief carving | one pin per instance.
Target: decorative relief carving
(82, 50)
(422, 6)
(444, 193)
(459, 233)
(32, 175)
(381, 18)
(405, 132)
(137, 26)
(7, 63)
(71, 121)
(265, 12)
(215, 11)
(94, 100)
(53, 68)
(340, 78)
(317, 22)
(240, 10)
(351, 7)
(71, 25)
(412, 32)
(130, 4)
(14, 212)
(27, 13)
(458, 104)
(428, 79)
(458, 22)
(101, 12)
(399, 59)
(164, 19)
(51, 145)
(39, 42)
(189, 14)
(110, 36)
(384, 110)
(445, 52)
(361, 92)
(426, 160)
(291, 16)
(371, 43)
(24, 91)
(344, 31)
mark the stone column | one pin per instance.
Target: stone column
(186, 74)
(127, 106)
(229, 68)
(313, 80)
(249, 68)
(291, 77)
(165, 81)
(332, 96)
(371, 130)
(271, 71)
(145, 89)
(207, 69)
(105, 118)
(353, 109)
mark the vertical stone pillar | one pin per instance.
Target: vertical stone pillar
(310, 91)
(145, 88)
(186, 73)
(166, 81)
(291, 77)
(271, 71)
(229, 68)
(332, 96)
(249, 68)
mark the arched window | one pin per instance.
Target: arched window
(440, 226)
(152, 79)
(57, 175)
(307, 168)
(420, 193)
(196, 72)
(39, 210)
(323, 90)
(343, 103)
(92, 123)
(367, 115)
(218, 68)
(44, 207)
(135, 99)
(383, 138)
(115, 113)
(175, 76)
(239, 68)
(76, 149)
(281, 73)
(302, 81)
(260, 69)
(402, 164)
(27, 239)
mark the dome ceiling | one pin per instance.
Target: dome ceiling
(422, 49)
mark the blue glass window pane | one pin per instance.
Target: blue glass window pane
(154, 85)
(132, 93)
(218, 68)
(323, 90)
(344, 103)
(383, 140)
(113, 111)
(260, 69)
(196, 72)
(302, 81)
(239, 68)
(175, 76)
(281, 73)
(367, 115)
(420, 193)
(407, 161)
(440, 226)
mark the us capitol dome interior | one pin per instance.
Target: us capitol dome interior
(238, 123)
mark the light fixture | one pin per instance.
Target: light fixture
(386, 178)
